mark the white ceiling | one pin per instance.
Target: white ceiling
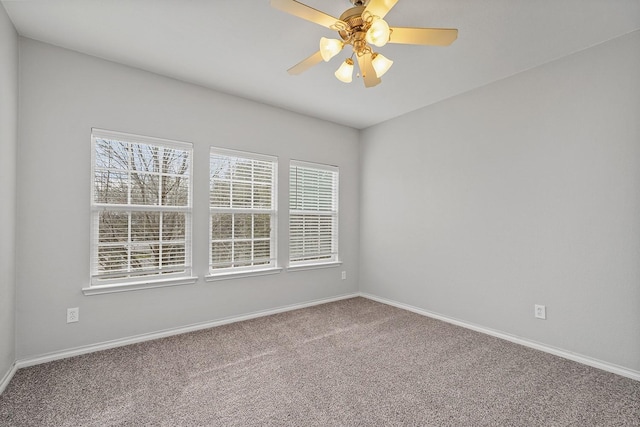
(244, 47)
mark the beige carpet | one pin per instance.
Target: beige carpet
(350, 363)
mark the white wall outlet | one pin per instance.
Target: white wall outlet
(344, 275)
(73, 314)
(540, 311)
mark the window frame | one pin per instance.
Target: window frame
(178, 275)
(271, 267)
(334, 259)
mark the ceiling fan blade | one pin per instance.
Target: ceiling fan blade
(304, 65)
(424, 36)
(380, 7)
(367, 71)
(303, 11)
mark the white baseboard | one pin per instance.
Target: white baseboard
(63, 354)
(4, 382)
(35, 360)
(585, 360)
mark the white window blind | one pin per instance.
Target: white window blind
(242, 207)
(141, 207)
(313, 213)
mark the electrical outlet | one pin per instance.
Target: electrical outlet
(540, 311)
(344, 275)
(73, 314)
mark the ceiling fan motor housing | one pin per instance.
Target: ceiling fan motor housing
(356, 26)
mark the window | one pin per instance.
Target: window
(141, 207)
(242, 207)
(313, 214)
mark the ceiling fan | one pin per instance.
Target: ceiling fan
(361, 26)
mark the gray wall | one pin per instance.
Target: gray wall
(523, 192)
(8, 144)
(63, 95)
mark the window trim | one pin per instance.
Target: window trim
(125, 287)
(100, 285)
(242, 274)
(335, 214)
(316, 266)
(246, 271)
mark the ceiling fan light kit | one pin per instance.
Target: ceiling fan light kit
(379, 32)
(330, 48)
(381, 64)
(345, 72)
(361, 27)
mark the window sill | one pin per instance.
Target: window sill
(241, 274)
(136, 286)
(303, 267)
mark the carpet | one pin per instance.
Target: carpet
(354, 362)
